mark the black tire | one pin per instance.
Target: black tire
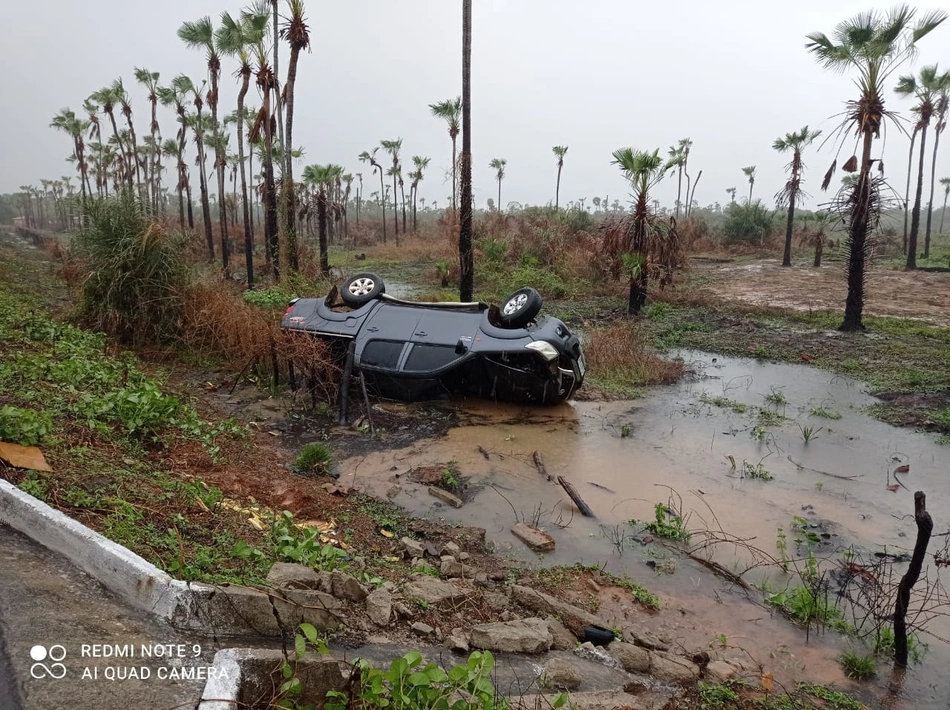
(598, 635)
(360, 289)
(520, 308)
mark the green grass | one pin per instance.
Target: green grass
(824, 413)
(314, 457)
(723, 403)
(856, 666)
(833, 698)
(715, 695)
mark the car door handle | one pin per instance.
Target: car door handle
(372, 329)
(422, 334)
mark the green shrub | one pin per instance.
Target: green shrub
(856, 666)
(747, 224)
(134, 270)
(314, 457)
(274, 297)
(26, 427)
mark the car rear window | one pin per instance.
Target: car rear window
(382, 353)
(429, 357)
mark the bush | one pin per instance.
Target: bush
(747, 224)
(134, 272)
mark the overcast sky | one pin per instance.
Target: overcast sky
(595, 75)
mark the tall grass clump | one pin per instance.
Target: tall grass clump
(133, 272)
(747, 224)
(618, 360)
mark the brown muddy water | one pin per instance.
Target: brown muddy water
(680, 447)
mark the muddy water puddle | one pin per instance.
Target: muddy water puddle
(697, 449)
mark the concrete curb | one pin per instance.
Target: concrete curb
(218, 610)
(223, 689)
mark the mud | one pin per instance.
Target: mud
(674, 447)
(888, 292)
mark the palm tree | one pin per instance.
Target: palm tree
(262, 131)
(942, 106)
(794, 142)
(367, 157)
(95, 131)
(149, 80)
(678, 158)
(946, 193)
(416, 176)
(393, 148)
(171, 149)
(498, 165)
(199, 126)
(174, 95)
(107, 98)
(926, 90)
(466, 246)
(319, 177)
(67, 121)
(644, 239)
(732, 193)
(297, 34)
(874, 45)
(218, 140)
(749, 172)
(235, 38)
(559, 151)
(910, 168)
(359, 196)
(450, 111)
(347, 179)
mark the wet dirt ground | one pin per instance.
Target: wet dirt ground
(674, 448)
(888, 292)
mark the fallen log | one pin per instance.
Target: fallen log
(925, 526)
(576, 497)
(539, 462)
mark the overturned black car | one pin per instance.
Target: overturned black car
(418, 351)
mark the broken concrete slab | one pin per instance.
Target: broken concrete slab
(290, 575)
(431, 590)
(537, 540)
(517, 636)
(670, 668)
(347, 587)
(573, 617)
(446, 497)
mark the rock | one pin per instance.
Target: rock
(481, 579)
(562, 674)
(636, 687)
(318, 608)
(289, 575)
(670, 668)
(457, 642)
(445, 497)
(347, 587)
(720, 671)
(402, 610)
(633, 658)
(379, 606)
(439, 636)
(421, 629)
(451, 567)
(451, 548)
(518, 636)
(564, 640)
(464, 557)
(413, 547)
(470, 534)
(644, 638)
(594, 653)
(431, 590)
(537, 540)
(498, 576)
(572, 616)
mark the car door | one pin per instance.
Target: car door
(440, 337)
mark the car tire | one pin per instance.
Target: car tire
(360, 289)
(520, 308)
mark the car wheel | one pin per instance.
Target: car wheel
(361, 289)
(520, 308)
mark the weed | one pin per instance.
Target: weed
(756, 471)
(290, 543)
(667, 525)
(274, 297)
(884, 644)
(715, 695)
(427, 570)
(824, 413)
(26, 427)
(624, 431)
(723, 402)
(618, 361)
(857, 666)
(448, 480)
(776, 397)
(769, 418)
(809, 433)
(314, 458)
(36, 487)
(836, 699)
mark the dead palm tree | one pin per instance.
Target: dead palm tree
(794, 142)
(450, 111)
(498, 165)
(749, 172)
(874, 45)
(367, 157)
(945, 181)
(941, 109)
(149, 80)
(926, 89)
(466, 245)
(559, 151)
(236, 38)
(732, 194)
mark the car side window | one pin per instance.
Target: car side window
(425, 357)
(382, 353)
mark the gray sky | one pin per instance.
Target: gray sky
(594, 75)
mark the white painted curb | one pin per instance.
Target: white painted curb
(223, 691)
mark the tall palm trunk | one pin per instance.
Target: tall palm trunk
(751, 185)
(248, 233)
(382, 200)
(396, 209)
(203, 187)
(124, 158)
(637, 296)
(557, 187)
(857, 242)
(910, 166)
(402, 191)
(455, 183)
(322, 226)
(155, 173)
(787, 256)
(679, 190)
(915, 215)
(466, 255)
(944, 212)
(499, 194)
(933, 181)
(287, 183)
(219, 164)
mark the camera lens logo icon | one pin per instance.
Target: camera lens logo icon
(54, 653)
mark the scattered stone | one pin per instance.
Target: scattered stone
(470, 534)
(457, 642)
(394, 490)
(645, 639)
(670, 668)
(518, 636)
(700, 658)
(562, 674)
(413, 547)
(432, 590)
(537, 540)
(421, 629)
(450, 548)
(506, 615)
(633, 658)
(451, 567)
(595, 588)
(347, 587)
(432, 549)
(481, 579)
(402, 610)
(445, 497)
(636, 687)
(464, 557)
(496, 601)
(572, 616)
(595, 653)
(564, 640)
(289, 575)
(379, 606)
(439, 636)
(318, 608)
(720, 671)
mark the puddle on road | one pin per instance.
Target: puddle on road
(624, 457)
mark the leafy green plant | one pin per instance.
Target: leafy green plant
(274, 297)
(716, 695)
(723, 402)
(26, 427)
(809, 433)
(835, 698)
(314, 457)
(824, 413)
(291, 688)
(747, 223)
(884, 644)
(290, 543)
(857, 666)
(448, 480)
(666, 525)
(776, 397)
(756, 471)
